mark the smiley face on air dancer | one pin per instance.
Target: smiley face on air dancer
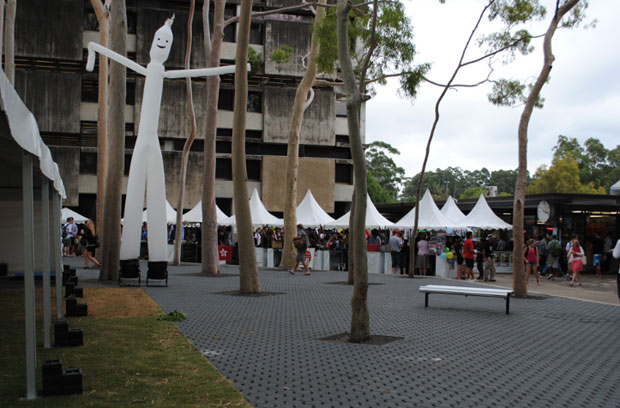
(146, 171)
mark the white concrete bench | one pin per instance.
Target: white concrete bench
(467, 291)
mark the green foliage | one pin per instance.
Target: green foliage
(473, 192)
(377, 193)
(394, 51)
(255, 59)
(282, 54)
(513, 12)
(174, 316)
(561, 177)
(383, 170)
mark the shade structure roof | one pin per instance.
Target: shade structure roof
(429, 216)
(615, 189)
(452, 211)
(171, 214)
(195, 215)
(77, 218)
(482, 216)
(260, 215)
(374, 219)
(310, 214)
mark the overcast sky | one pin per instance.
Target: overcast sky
(582, 99)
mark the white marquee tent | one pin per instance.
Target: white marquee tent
(30, 234)
(452, 211)
(195, 215)
(615, 189)
(310, 214)
(77, 218)
(171, 214)
(260, 215)
(374, 219)
(429, 216)
(482, 216)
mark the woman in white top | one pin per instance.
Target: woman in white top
(421, 261)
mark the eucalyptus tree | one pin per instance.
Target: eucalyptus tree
(102, 11)
(384, 48)
(303, 98)
(116, 146)
(190, 140)
(514, 91)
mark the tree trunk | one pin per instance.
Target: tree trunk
(9, 38)
(360, 319)
(213, 50)
(350, 255)
(103, 17)
(301, 103)
(178, 230)
(116, 157)
(519, 285)
(248, 272)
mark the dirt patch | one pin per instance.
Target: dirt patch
(118, 302)
(375, 340)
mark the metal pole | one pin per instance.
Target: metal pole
(45, 251)
(30, 317)
(57, 252)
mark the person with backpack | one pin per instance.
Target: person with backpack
(554, 252)
(301, 244)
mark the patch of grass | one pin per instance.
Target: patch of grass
(129, 358)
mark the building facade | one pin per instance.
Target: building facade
(50, 54)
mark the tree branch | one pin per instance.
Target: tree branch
(275, 11)
(373, 45)
(501, 49)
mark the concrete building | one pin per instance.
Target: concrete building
(50, 49)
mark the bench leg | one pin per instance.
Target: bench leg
(508, 304)
(426, 299)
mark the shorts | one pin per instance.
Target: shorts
(421, 261)
(552, 262)
(301, 255)
(597, 259)
(68, 242)
(469, 262)
(396, 261)
(530, 263)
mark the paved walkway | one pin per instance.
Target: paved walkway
(459, 352)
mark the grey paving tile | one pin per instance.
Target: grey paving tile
(459, 352)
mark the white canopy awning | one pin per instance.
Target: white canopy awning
(77, 218)
(260, 215)
(615, 189)
(374, 219)
(452, 211)
(195, 215)
(429, 216)
(482, 216)
(171, 214)
(310, 214)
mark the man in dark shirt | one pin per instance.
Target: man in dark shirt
(597, 251)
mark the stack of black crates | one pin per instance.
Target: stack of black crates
(64, 336)
(57, 381)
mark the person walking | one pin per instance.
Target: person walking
(575, 260)
(301, 244)
(489, 259)
(396, 243)
(531, 260)
(71, 232)
(616, 254)
(421, 261)
(554, 252)
(89, 244)
(469, 255)
(457, 248)
(597, 251)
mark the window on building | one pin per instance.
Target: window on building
(256, 34)
(253, 134)
(342, 138)
(88, 163)
(253, 169)
(226, 99)
(255, 102)
(229, 31)
(344, 173)
(223, 169)
(225, 204)
(224, 132)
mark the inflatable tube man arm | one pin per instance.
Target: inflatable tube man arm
(190, 73)
(94, 47)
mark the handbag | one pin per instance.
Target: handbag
(584, 260)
